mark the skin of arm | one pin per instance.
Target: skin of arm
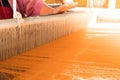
(45, 10)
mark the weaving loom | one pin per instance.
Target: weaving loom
(91, 56)
(35, 31)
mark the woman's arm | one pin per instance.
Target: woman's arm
(46, 9)
(63, 8)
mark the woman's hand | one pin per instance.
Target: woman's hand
(65, 7)
(46, 10)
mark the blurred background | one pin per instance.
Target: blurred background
(83, 3)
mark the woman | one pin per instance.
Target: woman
(38, 7)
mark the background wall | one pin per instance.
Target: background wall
(83, 3)
(117, 3)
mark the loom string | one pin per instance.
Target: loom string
(36, 31)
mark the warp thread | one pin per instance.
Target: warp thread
(35, 31)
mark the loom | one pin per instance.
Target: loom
(71, 57)
(18, 36)
(34, 31)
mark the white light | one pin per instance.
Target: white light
(67, 1)
(112, 4)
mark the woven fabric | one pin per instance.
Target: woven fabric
(36, 31)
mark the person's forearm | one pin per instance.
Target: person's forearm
(45, 10)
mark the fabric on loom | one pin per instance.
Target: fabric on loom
(36, 31)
